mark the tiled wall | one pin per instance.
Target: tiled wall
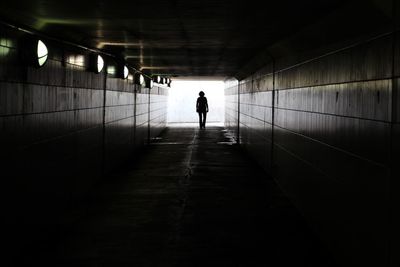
(231, 106)
(158, 114)
(334, 127)
(62, 127)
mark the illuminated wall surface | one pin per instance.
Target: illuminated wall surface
(62, 127)
(183, 96)
(330, 137)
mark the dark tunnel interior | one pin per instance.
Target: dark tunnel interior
(302, 172)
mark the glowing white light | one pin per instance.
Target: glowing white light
(100, 63)
(78, 60)
(126, 72)
(184, 93)
(42, 53)
(158, 79)
(111, 70)
(141, 79)
(151, 84)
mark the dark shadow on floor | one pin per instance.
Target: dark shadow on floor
(191, 199)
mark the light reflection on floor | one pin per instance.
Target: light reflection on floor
(193, 124)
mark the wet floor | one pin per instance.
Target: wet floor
(191, 199)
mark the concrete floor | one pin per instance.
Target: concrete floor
(191, 199)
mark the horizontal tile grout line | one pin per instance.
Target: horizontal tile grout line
(338, 83)
(65, 110)
(157, 102)
(158, 106)
(121, 105)
(321, 113)
(153, 119)
(335, 115)
(157, 109)
(141, 114)
(256, 105)
(259, 135)
(118, 120)
(60, 111)
(141, 124)
(323, 85)
(250, 116)
(66, 86)
(333, 147)
(263, 121)
(70, 87)
(47, 112)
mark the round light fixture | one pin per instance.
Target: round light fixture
(149, 83)
(42, 53)
(139, 79)
(100, 63)
(126, 72)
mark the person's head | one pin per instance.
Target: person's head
(201, 93)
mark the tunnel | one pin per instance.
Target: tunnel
(301, 171)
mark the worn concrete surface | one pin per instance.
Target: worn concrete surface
(192, 199)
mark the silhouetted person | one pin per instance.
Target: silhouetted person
(202, 109)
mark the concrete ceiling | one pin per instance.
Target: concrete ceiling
(171, 37)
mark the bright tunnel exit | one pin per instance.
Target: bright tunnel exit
(182, 101)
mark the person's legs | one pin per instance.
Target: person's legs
(200, 120)
(204, 119)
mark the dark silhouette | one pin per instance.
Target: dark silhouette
(202, 109)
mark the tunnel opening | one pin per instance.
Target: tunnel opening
(182, 98)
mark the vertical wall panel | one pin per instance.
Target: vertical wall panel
(158, 105)
(231, 106)
(142, 117)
